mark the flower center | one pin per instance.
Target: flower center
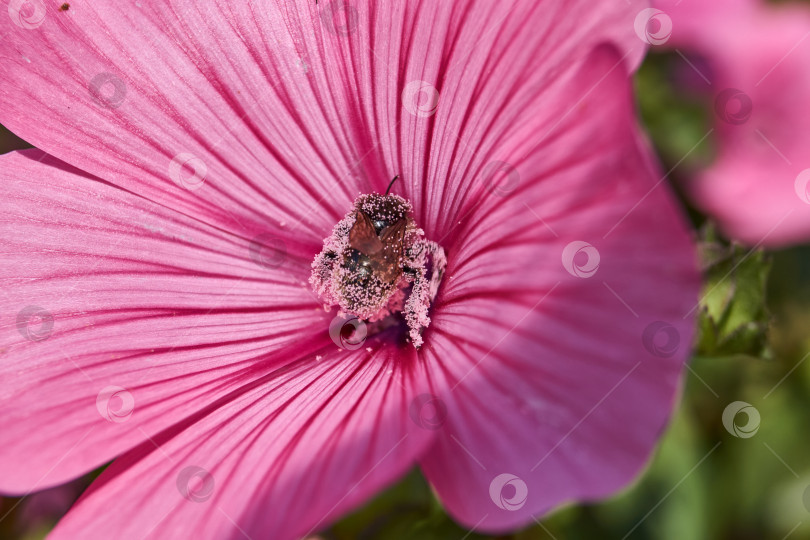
(377, 265)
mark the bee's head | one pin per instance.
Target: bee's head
(383, 210)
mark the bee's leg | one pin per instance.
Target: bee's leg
(322, 270)
(417, 306)
(425, 267)
(410, 272)
(429, 256)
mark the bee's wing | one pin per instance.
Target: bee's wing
(395, 233)
(362, 235)
(387, 262)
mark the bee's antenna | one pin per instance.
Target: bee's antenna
(391, 184)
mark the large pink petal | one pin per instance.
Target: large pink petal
(489, 70)
(103, 289)
(279, 459)
(755, 57)
(289, 110)
(556, 368)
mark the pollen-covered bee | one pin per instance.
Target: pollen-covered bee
(374, 255)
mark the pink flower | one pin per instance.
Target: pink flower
(156, 302)
(754, 67)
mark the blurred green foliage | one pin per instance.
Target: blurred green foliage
(676, 118)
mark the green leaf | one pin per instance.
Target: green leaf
(733, 318)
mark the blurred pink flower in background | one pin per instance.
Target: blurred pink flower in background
(191, 159)
(752, 57)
